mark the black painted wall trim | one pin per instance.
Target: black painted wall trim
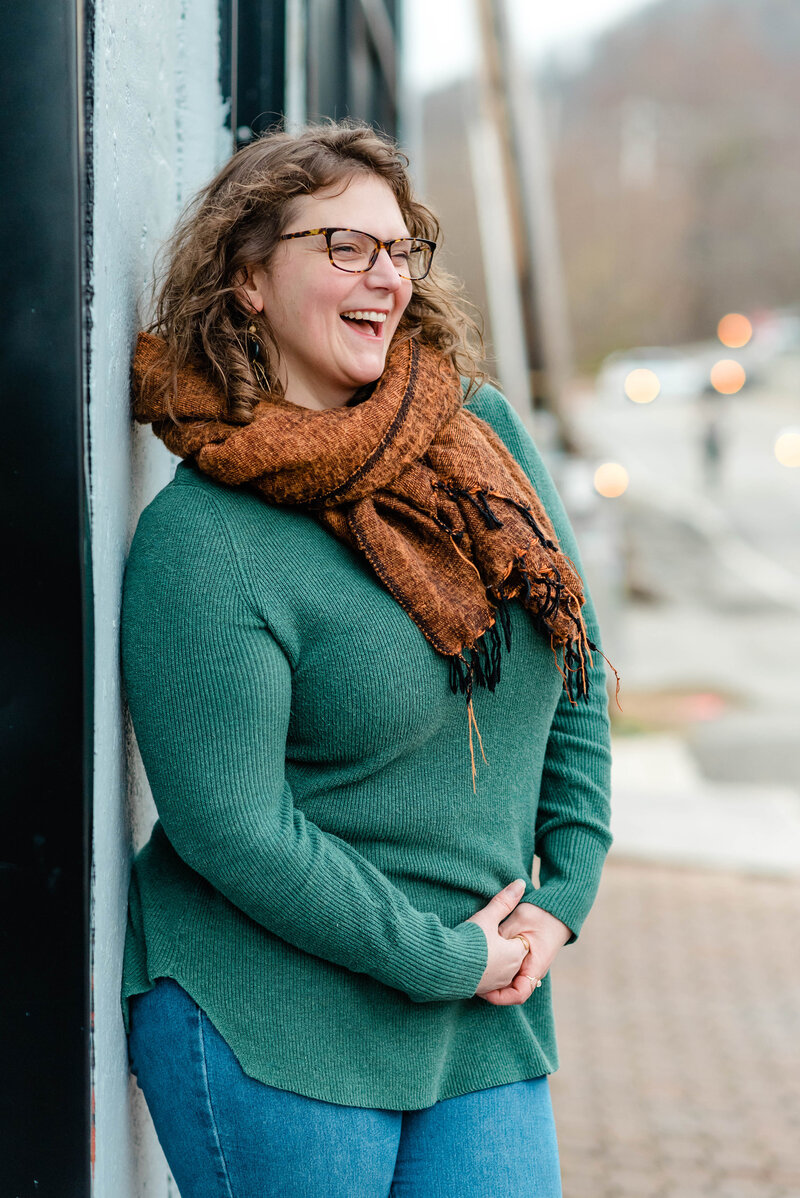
(46, 668)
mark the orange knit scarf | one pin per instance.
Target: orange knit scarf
(410, 478)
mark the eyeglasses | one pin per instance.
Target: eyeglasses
(356, 252)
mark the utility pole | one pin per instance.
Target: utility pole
(511, 101)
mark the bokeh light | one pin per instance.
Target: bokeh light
(611, 480)
(728, 376)
(642, 386)
(787, 447)
(734, 330)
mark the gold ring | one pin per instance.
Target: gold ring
(535, 982)
(524, 940)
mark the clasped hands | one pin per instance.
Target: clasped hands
(504, 983)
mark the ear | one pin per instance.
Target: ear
(247, 290)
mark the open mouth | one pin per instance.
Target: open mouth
(369, 324)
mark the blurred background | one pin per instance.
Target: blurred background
(618, 183)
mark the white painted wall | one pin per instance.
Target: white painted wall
(158, 135)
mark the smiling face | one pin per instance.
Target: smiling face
(325, 357)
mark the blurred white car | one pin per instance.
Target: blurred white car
(680, 376)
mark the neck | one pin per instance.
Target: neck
(305, 392)
(315, 400)
(309, 393)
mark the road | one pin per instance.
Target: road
(678, 1009)
(679, 1025)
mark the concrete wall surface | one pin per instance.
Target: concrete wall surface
(158, 133)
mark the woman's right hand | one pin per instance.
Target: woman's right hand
(505, 956)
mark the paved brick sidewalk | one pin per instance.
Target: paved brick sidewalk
(678, 1016)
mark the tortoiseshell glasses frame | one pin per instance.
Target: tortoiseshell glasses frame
(415, 260)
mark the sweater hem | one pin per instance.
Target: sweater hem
(417, 1102)
(466, 1078)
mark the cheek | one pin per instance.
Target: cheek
(405, 295)
(298, 300)
(323, 300)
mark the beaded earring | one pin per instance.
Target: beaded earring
(255, 356)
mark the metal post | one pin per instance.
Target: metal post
(543, 269)
(512, 109)
(46, 626)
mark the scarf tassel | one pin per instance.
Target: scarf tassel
(527, 515)
(480, 663)
(483, 668)
(478, 498)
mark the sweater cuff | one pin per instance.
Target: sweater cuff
(457, 975)
(570, 872)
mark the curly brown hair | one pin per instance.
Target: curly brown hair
(236, 221)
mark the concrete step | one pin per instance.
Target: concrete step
(749, 746)
(663, 809)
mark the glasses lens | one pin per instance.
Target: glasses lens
(412, 258)
(351, 251)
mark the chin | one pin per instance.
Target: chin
(362, 378)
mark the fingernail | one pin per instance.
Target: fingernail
(519, 884)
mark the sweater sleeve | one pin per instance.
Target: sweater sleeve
(209, 692)
(573, 816)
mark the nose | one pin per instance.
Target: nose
(383, 273)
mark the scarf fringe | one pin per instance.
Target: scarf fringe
(479, 498)
(479, 664)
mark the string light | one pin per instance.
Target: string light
(734, 330)
(611, 480)
(642, 385)
(787, 447)
(727, 376)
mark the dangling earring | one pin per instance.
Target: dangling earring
(254, 353)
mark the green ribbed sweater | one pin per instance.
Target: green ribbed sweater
(319, 846)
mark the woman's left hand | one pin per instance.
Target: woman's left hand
(546, 935)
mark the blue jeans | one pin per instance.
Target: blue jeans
(226, 1135)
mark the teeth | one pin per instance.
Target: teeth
(380, 317)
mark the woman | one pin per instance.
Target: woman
(363, 679)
